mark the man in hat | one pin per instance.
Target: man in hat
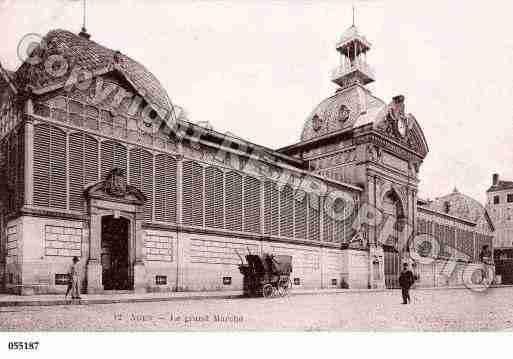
(406, 280)
(74, 277)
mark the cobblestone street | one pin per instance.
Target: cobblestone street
(434, 310)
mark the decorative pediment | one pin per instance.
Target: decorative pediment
(115, 189)
(403, 127)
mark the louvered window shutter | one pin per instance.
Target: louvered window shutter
(107, 158)
(171, 189)
(41, 165)
(300, 213)
(76, 171)
(272, 209)
(120, 157)
(113, 155)
(327, 227)
(252, 204)
(314, 203)
(187, 194)
(214, 213)
(90, 160)
(165, 188)
(57, 168)
(233, 201)
(20, 184)
(339, 231)
(12, 159)
(197, 191)
(160, 187)
(286, 212)
(147, 183)
(135, 168)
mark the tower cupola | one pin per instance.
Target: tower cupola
(353, 68)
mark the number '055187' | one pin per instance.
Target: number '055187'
(23, 345)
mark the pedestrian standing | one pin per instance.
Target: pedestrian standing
(74, 274)
(406, 280)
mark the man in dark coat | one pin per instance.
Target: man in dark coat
(406, 280)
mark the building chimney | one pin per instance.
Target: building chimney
(495, 179)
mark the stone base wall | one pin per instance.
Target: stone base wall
(45, 248)
(174, 261)
(42, 249)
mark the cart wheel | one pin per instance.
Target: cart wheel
(284, 287)
(267, 291)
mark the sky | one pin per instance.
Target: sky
(258, 68)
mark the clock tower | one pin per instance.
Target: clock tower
(355, 137)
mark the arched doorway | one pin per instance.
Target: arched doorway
(392, 211)
(115, 260)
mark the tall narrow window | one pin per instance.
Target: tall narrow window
(91, 161)
(41, 165)
(272, 210)
(141, 176)
(286, 212)
(314, 225)
(57, 168)
(252, 204)
(214, 211)
(233, 201)
(76, 171)
(300, 215)
(327, 227)
(49, 166)
(192, 194)
(165, 188)
(147, 183)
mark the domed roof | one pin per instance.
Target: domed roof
(458, 205)
(352, 34)
(348, 108)
(82, 53)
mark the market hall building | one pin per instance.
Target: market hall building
(148, 210)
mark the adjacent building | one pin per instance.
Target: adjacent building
(500, 206)
(89, 170)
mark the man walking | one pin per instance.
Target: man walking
(74, 284)
(406, 280)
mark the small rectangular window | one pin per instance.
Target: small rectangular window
(297, 281)
(496, 200)
(61, 279)
(334, 281)
(161, 280)
(227, 280)
(510, 198)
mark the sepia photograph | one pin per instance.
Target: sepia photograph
(255, 166)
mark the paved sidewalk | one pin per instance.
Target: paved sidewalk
(58, 299)
(8, 300)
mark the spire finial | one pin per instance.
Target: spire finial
(83, 32)
(353, 13)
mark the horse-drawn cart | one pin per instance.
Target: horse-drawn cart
(267, 275)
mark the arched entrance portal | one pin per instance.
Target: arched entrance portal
(392, 211)
(115, 260)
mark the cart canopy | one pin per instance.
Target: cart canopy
(279, 264)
